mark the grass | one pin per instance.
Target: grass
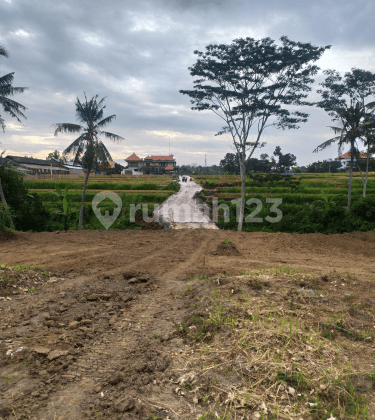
(267, 342)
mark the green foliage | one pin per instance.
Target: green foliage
(145, 186)
(322, 215)
(64, 205)
(6, 214)
(172, 186)
(27, 210)
(212, 185)
(269, 180)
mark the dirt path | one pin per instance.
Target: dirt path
(183, 210)
(101, 337)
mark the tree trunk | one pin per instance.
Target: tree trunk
(350, 182)
(5, 204)
(367, 165)
(243, 193)
(83, 199)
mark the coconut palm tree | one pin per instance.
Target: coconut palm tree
(88, 145)
(349, 132)
(6, 89)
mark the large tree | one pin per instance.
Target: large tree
(246, 83)
(6, 89)
(285, 162)
(60, 157)
(344, 101)
(88, 145)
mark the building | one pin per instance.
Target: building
(74, 169)
(33, 166)
(150, 164)
(345, 158)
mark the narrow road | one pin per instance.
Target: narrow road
(183, 210)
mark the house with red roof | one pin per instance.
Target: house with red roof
(155, 164)
(345, 158)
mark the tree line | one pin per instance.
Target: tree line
(248, 84)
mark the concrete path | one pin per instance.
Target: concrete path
(183, 210)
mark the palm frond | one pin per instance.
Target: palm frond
(106, 121)
(67, 128)
(326, 144)
(336, 129)
(74, 146)
(113, 137)
(4, 52)
(9, 90)
(7, 79)
(12, 107)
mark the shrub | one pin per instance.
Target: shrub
(145, 186)
(28, 210)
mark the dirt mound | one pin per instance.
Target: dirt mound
(149, 225)
(227, 249)
(7, 236)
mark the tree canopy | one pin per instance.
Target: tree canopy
(247, 83)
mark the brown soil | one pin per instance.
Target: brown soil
(149, 225)
(7, 236)
(98, 337)
(226, 249)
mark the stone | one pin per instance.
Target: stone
(57, 353)
(123, 405)
(49, 323)
(113, 320)
(94, 296)
(73, 325)
(115, 379)
(42, 350)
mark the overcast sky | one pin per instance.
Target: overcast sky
(137, 54)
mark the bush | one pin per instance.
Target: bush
(172, 186)
(28, 210)
(145, 186)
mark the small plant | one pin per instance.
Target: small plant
(64, 204)
(226, 241)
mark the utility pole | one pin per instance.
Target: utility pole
(329, 165)
(169, 146)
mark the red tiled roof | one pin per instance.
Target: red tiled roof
(160, 158)
(169, 168)
(133, 158)
(347, 156)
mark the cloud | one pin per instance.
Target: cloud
(137, 54)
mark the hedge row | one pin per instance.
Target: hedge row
(48, 185)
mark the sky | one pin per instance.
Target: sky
(137, 54)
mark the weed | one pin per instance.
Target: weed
(226, 241)
(6, 380)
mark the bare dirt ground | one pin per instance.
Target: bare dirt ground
(122, 319)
